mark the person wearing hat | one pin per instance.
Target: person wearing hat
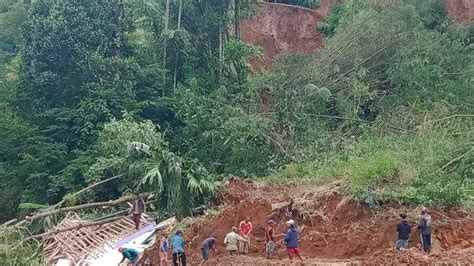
(292, 242)
(270, 245)
(231, 240)
(130, 254)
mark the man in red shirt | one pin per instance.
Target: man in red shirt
(245, 228)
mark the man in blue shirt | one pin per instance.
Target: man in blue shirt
(130, 254)
(177, 245)
(292, 242)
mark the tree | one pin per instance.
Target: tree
(12, 15)
(71, 81)
(179, 183)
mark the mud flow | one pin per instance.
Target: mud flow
(334, 229)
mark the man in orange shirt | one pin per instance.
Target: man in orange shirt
(245, 228)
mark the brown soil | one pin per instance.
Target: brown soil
(325, 6)
(282, 28)
(462, 11)
(334, 229)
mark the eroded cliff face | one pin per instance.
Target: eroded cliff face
(284, 28)
(462, 11)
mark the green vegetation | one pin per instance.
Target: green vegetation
(398, 117)
(161, 96)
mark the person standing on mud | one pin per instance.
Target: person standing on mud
(177, 245)
(292, 242)
(245, 228)
(270, 245)
(231, 240)
(207, 245)
(425, 230)
(164, 248)
(138, 207)
(404, 230)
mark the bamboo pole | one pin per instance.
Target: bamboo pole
(84, 206)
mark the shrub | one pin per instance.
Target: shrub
(371, 172)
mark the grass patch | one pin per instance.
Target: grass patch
(412, 168)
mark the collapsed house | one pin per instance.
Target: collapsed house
(98, 244)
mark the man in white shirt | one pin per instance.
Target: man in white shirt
(231, 240)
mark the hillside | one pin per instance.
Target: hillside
(334, 230)
(282, 28)
(355, 109)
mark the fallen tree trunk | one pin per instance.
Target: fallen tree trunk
(84, 206)
(13, 221)
(10, 222)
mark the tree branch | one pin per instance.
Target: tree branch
(455, 160)
(85, 189)
(11, 222)
(85, 206)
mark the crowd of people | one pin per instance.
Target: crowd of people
(237, 241)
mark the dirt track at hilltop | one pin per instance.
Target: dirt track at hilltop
(334, 229)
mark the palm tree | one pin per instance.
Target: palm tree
(178, 182)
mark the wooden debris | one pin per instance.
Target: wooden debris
(79, 240)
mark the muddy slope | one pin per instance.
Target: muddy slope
(462, 11)
(334, 228)
(282, 28)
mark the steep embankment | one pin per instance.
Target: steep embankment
(333, 228)
(462, 11)
(284, 28)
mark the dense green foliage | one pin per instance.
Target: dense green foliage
(164, 99)
(81, 65)
(398, 94)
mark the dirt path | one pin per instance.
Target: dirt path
(334, 229)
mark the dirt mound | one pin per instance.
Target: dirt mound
(415, 256)
(282, 28)
(462, 11)
(334, 229)
(247, 260)
(410, 257)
